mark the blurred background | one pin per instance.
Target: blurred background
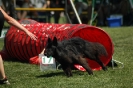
(112, 13)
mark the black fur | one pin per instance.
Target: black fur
(75, 51)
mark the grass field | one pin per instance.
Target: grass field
(24, 75)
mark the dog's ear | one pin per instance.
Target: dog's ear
(55, 43)
(49, 40)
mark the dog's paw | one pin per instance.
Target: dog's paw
(105, 68)
(90, 73)
(69, 76)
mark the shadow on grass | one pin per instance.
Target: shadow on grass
(51, 74)
(60, 73)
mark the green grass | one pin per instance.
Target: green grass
(24, 75)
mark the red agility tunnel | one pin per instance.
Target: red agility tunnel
(19, 46)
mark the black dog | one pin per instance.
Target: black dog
(75, 51)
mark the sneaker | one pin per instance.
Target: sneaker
(4, 81)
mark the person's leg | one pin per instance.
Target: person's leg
(3, 79)
(18, 15)
(2, 72)
(24, 14)
(57, 16)
(79, 7)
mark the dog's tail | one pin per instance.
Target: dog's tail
(101, 49)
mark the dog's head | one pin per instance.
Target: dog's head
(50, 47)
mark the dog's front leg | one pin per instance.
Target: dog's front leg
(67, 70)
